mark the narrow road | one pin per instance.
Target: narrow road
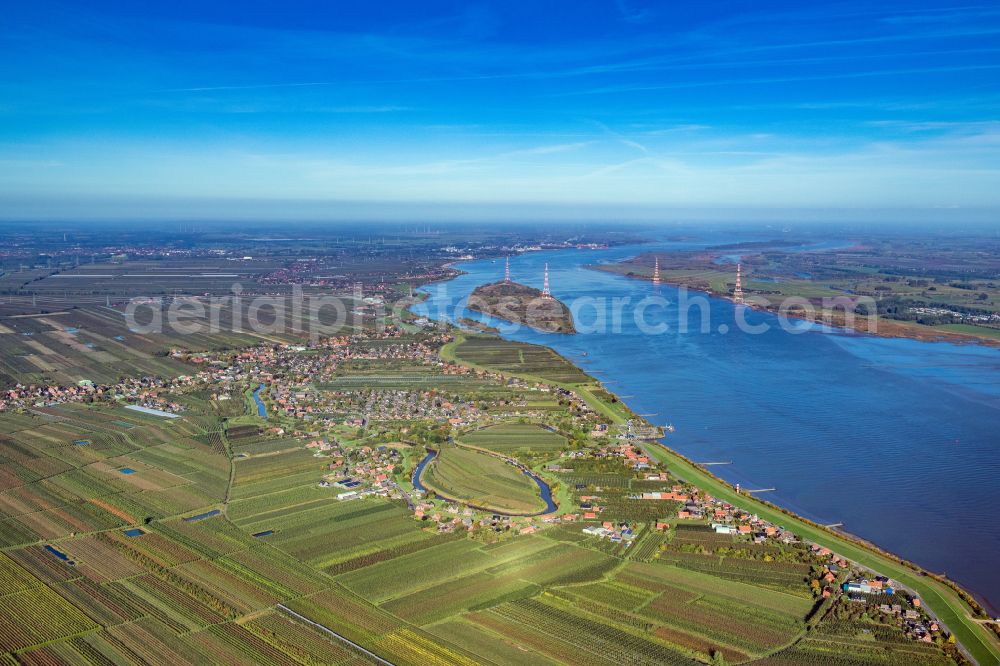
(406, 496)
(232, 467)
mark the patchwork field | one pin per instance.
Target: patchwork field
(209, 538)
(511, 437)
(500, 355)
(95, 343)
(853, 644)
(482, 480)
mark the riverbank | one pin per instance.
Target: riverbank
(861, 324)
(942, 596)
(879, 434)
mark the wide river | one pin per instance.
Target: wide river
(899, 440)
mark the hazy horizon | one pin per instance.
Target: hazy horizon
(262, 212)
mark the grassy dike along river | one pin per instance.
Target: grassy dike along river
(894, 438)
(977, 639)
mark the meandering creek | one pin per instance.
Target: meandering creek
(544, 491)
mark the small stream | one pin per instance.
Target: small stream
(261, 407)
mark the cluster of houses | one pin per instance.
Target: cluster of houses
(631, 456)
(728, 519)
(21, 397)
(221, 372)
(358, 408)
(639, 430)
(614, 532)
(283, 367)
(695, 504)
(304, 272)
(454, 517)
(573, 402)
(154, 401)
(360, 471)
(292, 378)
(864, 587)
(910, 616)
(150, 392)
(836, 562)
(457, 518)
(991, 318)
(914, 621)
(299, 272)
(382, 405)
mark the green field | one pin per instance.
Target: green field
(482, 480)
(492, 353)
(942, 599)
(946, 603)
(981, 331)
(510, 437)
(220, 546)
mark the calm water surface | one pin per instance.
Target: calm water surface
(897, 439)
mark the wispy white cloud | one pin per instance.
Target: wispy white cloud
(981, 126)
(815, 102)
(253, 86)
(959, 168)
(705, 83)
(621, 138)
(360, 108)
(547, 149)
(677, 129)
(941, 15)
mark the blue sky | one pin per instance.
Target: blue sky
(194, 109)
